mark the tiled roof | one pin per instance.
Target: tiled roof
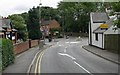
(99, 17)
(46, 22)
(6, 23)
(109, 22)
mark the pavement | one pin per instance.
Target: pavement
(103, 53)
(23, 60)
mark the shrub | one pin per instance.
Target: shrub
(7, 53)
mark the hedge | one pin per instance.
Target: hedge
(8, 55)
(0, 55)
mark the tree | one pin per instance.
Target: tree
(76, 15)
(33, 24)
(19, 24)
(116, 8)
(25, 16)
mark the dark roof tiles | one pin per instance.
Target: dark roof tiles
(99, 17)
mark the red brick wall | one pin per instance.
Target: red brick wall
(33, 43)
(18, 48)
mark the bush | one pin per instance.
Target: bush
(7, 53)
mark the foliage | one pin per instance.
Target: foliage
(116, 8)
(25, 16)
(7, 53)
(19, 24)
(0, 55)
(75, 16)
(117, 23)
(33, 24)
(48, 13)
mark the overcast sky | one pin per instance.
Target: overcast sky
(8, 7)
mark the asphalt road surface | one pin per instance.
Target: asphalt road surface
(68, 56)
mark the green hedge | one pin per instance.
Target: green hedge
(0, 55)
(8, 55)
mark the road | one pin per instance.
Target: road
(68, 56)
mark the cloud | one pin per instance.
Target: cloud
(21, 8)
(8, 7)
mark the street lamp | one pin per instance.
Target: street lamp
(40, 20)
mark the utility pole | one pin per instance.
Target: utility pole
(40, 19)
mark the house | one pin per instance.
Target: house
(46, 26)
(100, 26)
(6, 30)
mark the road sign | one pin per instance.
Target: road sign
(104, 26)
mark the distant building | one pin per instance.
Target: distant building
(100, 26)
(46, 26)
(6, 29)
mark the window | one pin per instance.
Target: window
(96, 36)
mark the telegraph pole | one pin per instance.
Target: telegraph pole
(40, 19)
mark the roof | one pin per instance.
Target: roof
(46, 22)
(99, 30)
(99, 17)
(6, 23)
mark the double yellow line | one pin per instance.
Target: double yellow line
(38, 63)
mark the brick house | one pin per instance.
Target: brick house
(46, 26)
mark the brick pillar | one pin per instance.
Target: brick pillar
(29, 43)
(15, 37)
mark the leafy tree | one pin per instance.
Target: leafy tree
(33, 24)
(19, 24)
(116, 8)
(76, 15)
(25, 16)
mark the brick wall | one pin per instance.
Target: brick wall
(18, 48)
(33, 43)
(21, 47)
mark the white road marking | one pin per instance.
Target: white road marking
(67, 42)
(60, 45)
(19, 55)
(65, 50)
(57, 42)
(64, 54)
(72, 42)
(83, 68)
(32, 62)
(75, 42)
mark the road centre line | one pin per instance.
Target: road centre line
(39, 67)
(83, 68)
(28, 71)
(37, 63)
(35, 57)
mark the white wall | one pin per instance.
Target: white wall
(99, 42)
(93, 27)
(89, 34)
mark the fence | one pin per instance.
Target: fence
(112, 42)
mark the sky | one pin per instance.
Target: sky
(8, 7)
